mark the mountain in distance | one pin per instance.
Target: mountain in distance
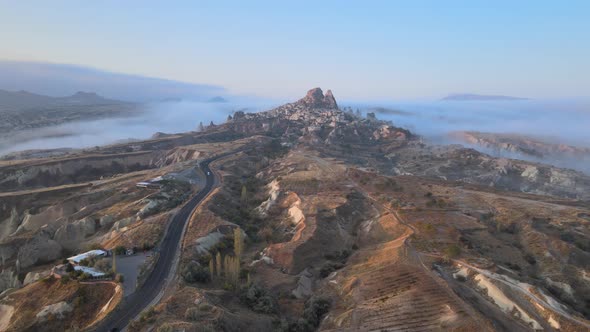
(477, 97)
(58, 79)
(217, 99)
(390, 111)
(16, 100)
(22, 113)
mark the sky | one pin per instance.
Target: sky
(359, 49)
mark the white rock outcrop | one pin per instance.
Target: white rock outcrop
(58, 310)
(70, 235)
(40, 248)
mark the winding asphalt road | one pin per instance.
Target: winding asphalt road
(144, 295)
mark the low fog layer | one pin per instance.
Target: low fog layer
(560, 122)
(553, 121)
(167, 117)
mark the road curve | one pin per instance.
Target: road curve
(131, 306)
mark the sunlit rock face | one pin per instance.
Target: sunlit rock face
(315, 98)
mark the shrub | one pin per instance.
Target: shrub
(205, 307)
(193, 272)
(120, 250)
(341, 256)
(75, 274)
(94, 246)
(315, 308)
(205, 328)
(48, 279)
(147, 246)
(104, 264)
(204, 259)
(119, 278)
(228, 286)
(147, 316)
(192, 314)
(330, 267)
(258, 299)
(165, 328)
(429, 228)
(513, 266)
(65, 279)
(452, 251)
(85, 276)
(510, 228)
(487, 216)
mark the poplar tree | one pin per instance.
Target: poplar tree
(238, 242)
(218, 262)
(244, 194)
(212, 267)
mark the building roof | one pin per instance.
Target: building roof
(89, 270)
(76, 259)
(156, 179)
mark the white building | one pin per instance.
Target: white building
(88, 270)
(75, 260)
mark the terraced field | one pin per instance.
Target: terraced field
(401, 297)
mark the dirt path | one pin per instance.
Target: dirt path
(6, 312)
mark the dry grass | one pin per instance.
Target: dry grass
(87, 300)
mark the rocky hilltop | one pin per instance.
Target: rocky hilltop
(316, 118)
(315, 98)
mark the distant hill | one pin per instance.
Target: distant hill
(390, 111)
(88, 98)
(217, 99)
(60, 79)
(475, 97)
(22, 100)
(22, 113)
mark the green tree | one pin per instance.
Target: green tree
(244, 194)
(212, 267)
(238, 242)
(120, 250)
(218, 263)
(452, 251)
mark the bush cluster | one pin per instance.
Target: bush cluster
(258, 299)
(194, 272)
(315, 309)
(330, 267)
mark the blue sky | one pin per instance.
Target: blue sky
(359, 49)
